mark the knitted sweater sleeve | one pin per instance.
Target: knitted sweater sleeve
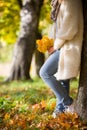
(69, 24)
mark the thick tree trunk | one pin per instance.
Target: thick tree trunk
(81, 103)
(39, 57)
(25, 45)
(39, 60)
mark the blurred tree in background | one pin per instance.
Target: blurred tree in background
(9, 20)
(25, 45)
(31, 16)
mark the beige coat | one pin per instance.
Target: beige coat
(68, 36)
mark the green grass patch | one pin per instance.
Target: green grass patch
(27, 104)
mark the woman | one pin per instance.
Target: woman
(64, 61)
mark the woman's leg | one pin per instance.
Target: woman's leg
(47, 72)
(66, 84)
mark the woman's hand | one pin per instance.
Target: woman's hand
(51, 50)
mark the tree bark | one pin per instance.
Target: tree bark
(39, 60)
(81, 102)
(39, 57)
(25, 44)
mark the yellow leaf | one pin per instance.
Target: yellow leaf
(7, 116)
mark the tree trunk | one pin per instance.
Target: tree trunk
(39, 57)
(39, 60)
(25, 45)
(81, 103)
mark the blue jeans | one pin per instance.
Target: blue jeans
(60, 88)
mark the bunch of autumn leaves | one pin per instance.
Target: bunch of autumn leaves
(44, 44)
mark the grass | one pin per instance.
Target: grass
(33, 102)
(26, 105)
(21, 96)
(35, 90)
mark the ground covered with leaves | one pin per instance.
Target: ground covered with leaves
(27, 105)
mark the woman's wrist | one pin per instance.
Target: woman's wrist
(51, 50)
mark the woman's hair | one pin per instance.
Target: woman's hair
(55, 9)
